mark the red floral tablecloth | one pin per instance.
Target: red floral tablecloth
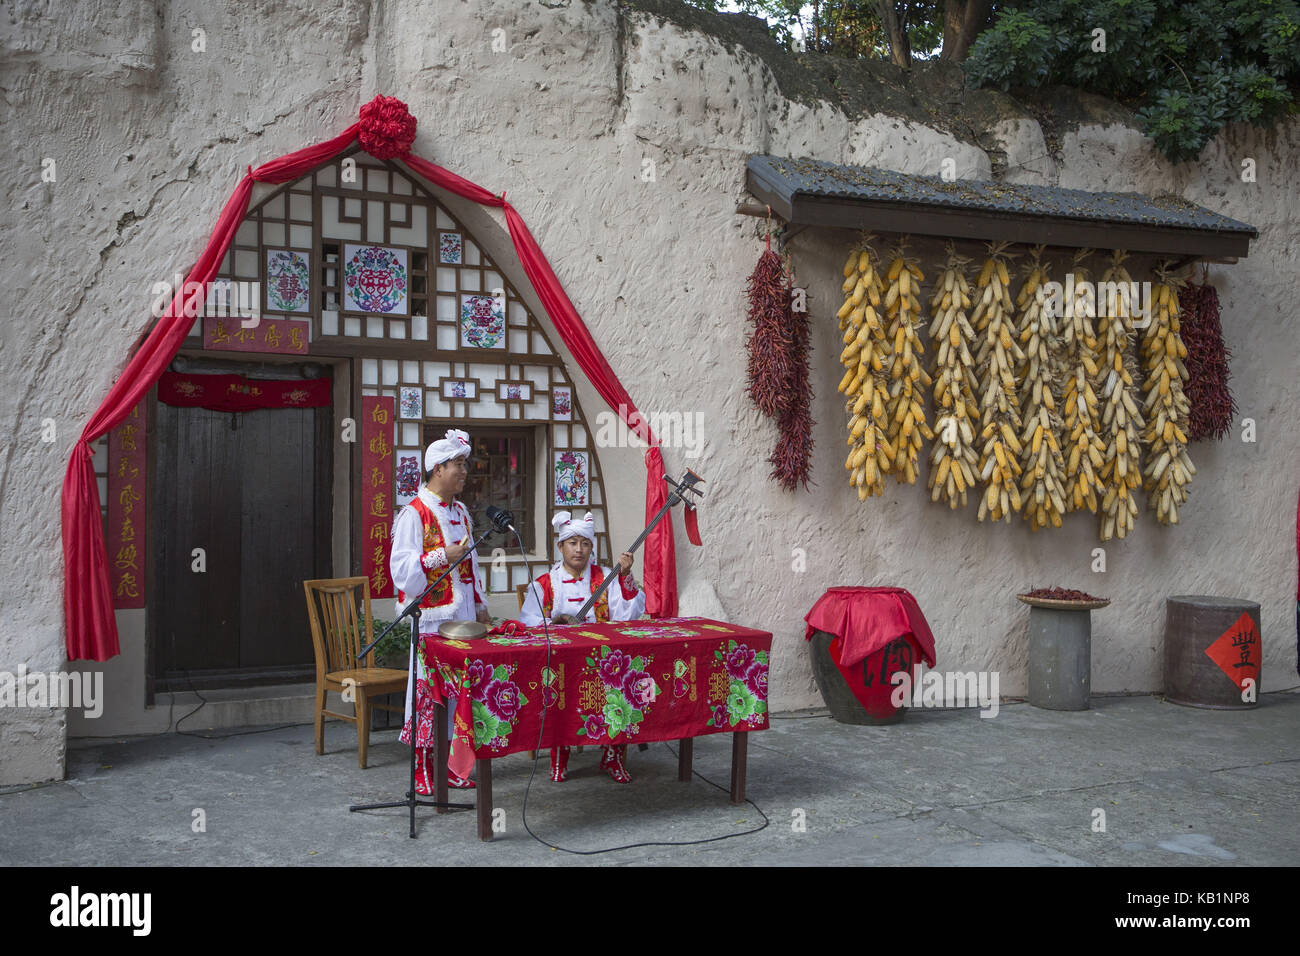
(867, 619)
(626, 681)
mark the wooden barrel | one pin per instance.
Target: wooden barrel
(1213, 652)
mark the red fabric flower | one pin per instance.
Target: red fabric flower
(502, 699)
(478, 675)
(614, 668)
(387, 128)
(638, 688)
(739, 659)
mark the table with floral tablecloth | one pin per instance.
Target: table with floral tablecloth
(616, 683)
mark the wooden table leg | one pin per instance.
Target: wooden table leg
(483, 797)
(685, 752)
(739, 752)
(442, 750)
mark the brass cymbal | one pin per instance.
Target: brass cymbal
(462, 630)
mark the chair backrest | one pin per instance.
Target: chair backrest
(521, 591)
(338, 629)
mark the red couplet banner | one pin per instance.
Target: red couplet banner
(127, 503)
(377, 414)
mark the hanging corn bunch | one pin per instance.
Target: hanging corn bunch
(1084, 449)
(1120, 419)
(908, 378)
(1042, 485)
(1168, 469)
(953, 462)
(865, 382)
(999, 355)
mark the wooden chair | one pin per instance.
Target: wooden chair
(337, 634)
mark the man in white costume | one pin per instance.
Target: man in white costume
(430, 533)
(559, 594)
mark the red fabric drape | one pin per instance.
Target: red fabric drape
(867, 619)
(237, 393)
(87, 602)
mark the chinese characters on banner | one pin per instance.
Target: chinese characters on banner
(377, 416)
(286, 336)
(124, 534)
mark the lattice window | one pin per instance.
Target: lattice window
(387, 277)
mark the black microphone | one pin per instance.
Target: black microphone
(501, 519)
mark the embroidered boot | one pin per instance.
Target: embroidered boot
(459, 783)
(612, 762)
(559, 764)
(423, 764)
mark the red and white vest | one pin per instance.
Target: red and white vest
(444, 593)
(548, 593)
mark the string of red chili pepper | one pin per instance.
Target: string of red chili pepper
(771, 339)
(1212, 407)
(778, 367)
(791, 459)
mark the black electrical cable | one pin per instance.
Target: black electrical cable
(202, 702)
(537, 755)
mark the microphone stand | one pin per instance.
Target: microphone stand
(412, 610)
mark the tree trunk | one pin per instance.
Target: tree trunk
(900, 51)
(962, 22)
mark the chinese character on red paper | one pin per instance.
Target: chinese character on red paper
(126, 558)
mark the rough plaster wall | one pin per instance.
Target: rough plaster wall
(150, 138)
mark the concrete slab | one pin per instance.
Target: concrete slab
(1178, 787)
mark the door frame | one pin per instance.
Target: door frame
(323, 504)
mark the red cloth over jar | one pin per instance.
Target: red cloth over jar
(867, 619)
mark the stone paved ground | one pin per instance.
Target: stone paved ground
(1179, 786)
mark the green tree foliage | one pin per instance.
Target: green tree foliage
(847, 28)
(1189, 67)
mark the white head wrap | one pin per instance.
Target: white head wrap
(566, 527)
(453, 445)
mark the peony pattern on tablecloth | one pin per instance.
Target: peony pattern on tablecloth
(746, 702)
(629, 692)
(497, 702)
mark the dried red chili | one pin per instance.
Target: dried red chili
(1212, 407)
(778, 369)
(771, 339)
(1061, 594)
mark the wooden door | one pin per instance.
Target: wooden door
(253, 491)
